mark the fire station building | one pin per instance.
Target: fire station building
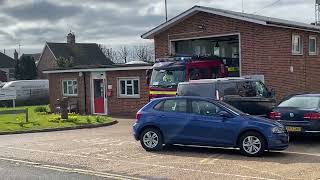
(286, 53)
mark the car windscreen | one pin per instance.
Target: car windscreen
(167, 78)
(301, 102)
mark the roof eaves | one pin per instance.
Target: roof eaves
(291, 26)
(150, 34)
(125, 68)
(187, 13)
(47, 44)
(262, 20)
(235, 15)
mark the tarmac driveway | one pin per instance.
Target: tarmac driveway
(112, 152)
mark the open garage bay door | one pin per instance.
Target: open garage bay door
(225, 47)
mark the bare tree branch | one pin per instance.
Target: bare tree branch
(123, 54)
(144, 52)
(109, 53)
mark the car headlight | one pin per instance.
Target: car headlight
(278, 130)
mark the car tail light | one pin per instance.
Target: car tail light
(138, 116)
(312, 116)
(275, 115)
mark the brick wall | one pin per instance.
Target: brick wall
(126, 106)
(116, 105)
(264, 50)
(55, 86)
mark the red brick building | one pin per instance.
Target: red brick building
(285, 52)
(107, 90)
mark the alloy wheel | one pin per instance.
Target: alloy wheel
(251, 145)
(150, 139)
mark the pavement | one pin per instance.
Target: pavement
(112, 153)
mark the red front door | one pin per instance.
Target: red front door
(99, 104)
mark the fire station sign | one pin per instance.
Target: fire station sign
(7, 94)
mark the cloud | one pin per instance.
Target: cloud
(41, 10)
(114, 22)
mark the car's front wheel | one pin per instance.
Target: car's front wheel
(151, 139)
(252, 144)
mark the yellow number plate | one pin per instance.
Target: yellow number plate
(293, 129)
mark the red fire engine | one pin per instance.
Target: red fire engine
(168, 72)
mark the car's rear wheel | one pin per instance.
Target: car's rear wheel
(151, 139)
(252, 144)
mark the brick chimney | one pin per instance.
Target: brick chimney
(15, 55)
(71, 38)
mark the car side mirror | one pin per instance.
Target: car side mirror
(272, 92)
(225, 114)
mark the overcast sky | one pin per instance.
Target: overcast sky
(113, 22)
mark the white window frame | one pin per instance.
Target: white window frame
(294, 52)
(68, 94)
(132, 79)
(313, 37)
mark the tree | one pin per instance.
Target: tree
(26, 68)
(124, 54)
(109, 53)
(64, 62)
(144, 52)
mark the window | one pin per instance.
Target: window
(303, 102)
(247, 89)
(198, 89)
(204, 108)
(296, 45)
(227, 89)
(128, 87)
(312, 45)
(172, 105)
(70, 88)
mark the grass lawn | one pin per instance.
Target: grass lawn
(41, 120)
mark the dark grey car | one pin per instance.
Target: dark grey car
(249, 95)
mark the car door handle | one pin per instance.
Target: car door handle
(162, 116)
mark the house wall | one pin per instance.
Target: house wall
(47, 61)
(126, 106)
(117, 106)
(264, 50)
(56, 92)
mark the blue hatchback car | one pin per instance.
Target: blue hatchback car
(206, 122)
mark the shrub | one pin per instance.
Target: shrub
(55, 119)
(89, 121)
(100, 119)
(20, 121)
(72, 118)
(41, 109)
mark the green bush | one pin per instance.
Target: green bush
(41, 109)
(100, 119)
(89, 121)
(72, 118)
(56, 119)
